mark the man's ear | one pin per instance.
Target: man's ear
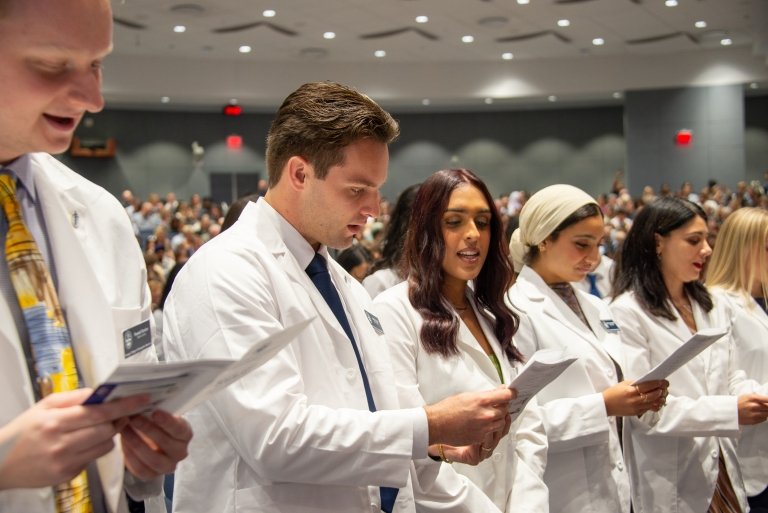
(296, 171)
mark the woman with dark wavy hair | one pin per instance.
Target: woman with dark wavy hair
(684, 454)
(387, 271)
(447, 336)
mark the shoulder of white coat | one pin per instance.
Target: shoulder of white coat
(392, 295)
(729, 297)
(523, 297)
(357, 289)
(626, 309)
(67, 179)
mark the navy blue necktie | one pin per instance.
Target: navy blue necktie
(593, 285)
(318, 273)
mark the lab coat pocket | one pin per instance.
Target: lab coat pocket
(253, 500)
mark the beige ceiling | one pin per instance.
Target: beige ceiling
(647, 45)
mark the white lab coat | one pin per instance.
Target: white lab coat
(380, 281)
(295, 435)
(512, 477)
(102, 288)
(673, 454)
(750, 334)
(585, 467)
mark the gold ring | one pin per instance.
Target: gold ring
(643, 397)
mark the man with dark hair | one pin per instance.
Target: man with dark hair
(73, 285)
(319, 427)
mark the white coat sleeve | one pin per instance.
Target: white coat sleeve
(437, 487)
(707, 415)
(570, 422)
(266, 416)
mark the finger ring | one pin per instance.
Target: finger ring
(643, 397)
(486, 449)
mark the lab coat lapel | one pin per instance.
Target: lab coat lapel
(553, 306)
(270, 237)
(14, 376)
(300, 277)
(756, 312)
(678, 327)
(89, 317)
(371, 345)
(87, 311)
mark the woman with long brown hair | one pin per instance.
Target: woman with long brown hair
(450, 331)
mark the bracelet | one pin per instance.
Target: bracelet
(442, 454)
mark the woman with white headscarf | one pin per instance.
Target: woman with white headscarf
(557, 243)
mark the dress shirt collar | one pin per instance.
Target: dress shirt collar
(301, 250)
(23, 170)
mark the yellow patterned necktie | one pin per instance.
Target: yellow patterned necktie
(48, 334)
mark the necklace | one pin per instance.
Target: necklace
(680, 306)
(460, 308)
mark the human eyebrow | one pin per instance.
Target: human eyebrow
(464, 210)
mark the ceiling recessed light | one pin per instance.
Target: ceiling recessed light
(179, 29)
(467, 39)
(616, 95)
(753, 85)
(700, 24)
(269, 13)
(563, 23)
(425, 101)
(165, 99)
(552, 98)
(422, 19)
(233, 101)
(523, 2)
(488, 101)
(671, 3)
(598, 41)
(726, 41)
(507, 56)
(245, 49)
(329, 35)
(380, 53)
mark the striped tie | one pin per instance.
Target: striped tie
(48, 334)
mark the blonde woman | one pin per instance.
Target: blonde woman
(557, 243)
(738, 275)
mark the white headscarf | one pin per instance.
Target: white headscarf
(541, 215)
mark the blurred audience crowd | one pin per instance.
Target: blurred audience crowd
(170, 230)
